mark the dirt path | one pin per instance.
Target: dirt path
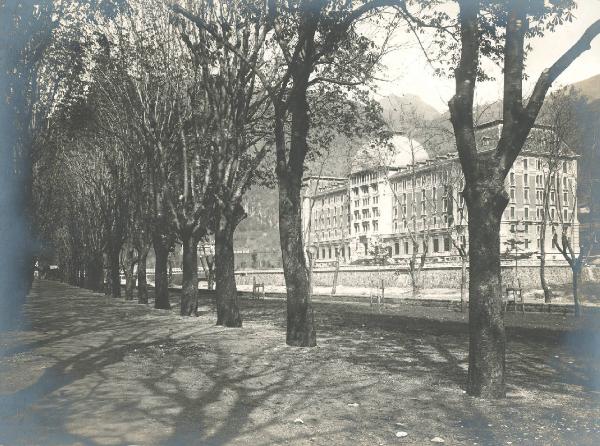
(94, 371)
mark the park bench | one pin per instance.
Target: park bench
(258, 289)
(515, 295)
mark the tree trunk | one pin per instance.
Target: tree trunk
(189, 286)
(128, 269)
(543, 225)
(311, 268)
(93, 278)
(228, 312)
(575, 292)
(105, 274)
(463, 282)
(114, 271)
(142, 284)
(300, 316)
(414, 275)
(335, 276)
(486, 325)
(210, 278)
(161, 275)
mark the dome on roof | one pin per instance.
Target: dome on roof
(397, 152)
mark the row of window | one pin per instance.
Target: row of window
(364, 177)
(426, 179)
(539, 213)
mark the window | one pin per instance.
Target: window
(565, 214)
(526, 243)
(375, 226)
(396, 248)
(512, 212)
(323, 253)
(526, 213)
(405, 247)
(512, 194)
(565, 198)
(526, 180)
(538, 164)
(436, 245)
(446, 244)
(526, 195)
(512, 178)
(525, 164)
(330, 252)
(565, 166)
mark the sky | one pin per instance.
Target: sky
(408, 72)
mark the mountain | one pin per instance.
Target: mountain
(590, 88)
(397, 109)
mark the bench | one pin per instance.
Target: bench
(258, 289)
(514, 294)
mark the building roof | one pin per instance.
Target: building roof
(397, 152)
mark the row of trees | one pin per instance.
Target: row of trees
(179, 103)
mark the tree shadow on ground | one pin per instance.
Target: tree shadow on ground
(106, 371)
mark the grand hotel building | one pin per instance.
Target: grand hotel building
(398, 199)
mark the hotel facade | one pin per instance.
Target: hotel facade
(398, 202)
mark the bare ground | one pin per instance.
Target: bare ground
(90, 370)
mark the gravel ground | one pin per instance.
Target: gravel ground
(90, 370)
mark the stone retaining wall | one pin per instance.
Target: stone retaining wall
(446, 276)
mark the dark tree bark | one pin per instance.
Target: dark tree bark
(463, 281)
(485, 174)
(189, 288)
(114, 271)
(576, 273)
(335, 276)
(161, 274)
(543, 227)
(142, 284)
(300, 317)
(128, 270)
(93, 277)
(486, 323)
(228, 312)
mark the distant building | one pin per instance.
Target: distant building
(398, 198)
